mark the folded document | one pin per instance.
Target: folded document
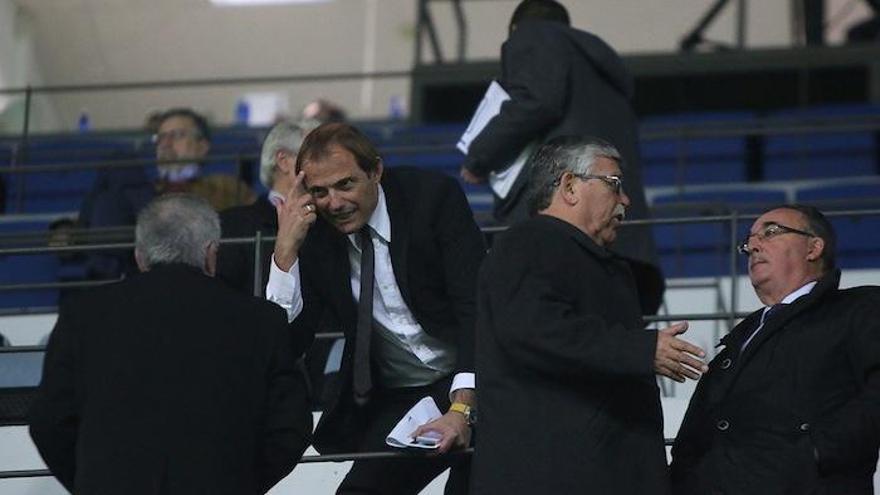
(423, 412)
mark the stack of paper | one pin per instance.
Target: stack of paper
(423, 412)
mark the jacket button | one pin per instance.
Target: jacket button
(722, 425)
(726, 363)
(804, 427)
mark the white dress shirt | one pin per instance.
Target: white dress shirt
(410, 355)
(804, 290)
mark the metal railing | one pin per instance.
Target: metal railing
(733, 220)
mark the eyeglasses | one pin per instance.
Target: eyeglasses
(769, 231)
(615, 182)
(175, 135)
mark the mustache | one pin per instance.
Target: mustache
(620, 212)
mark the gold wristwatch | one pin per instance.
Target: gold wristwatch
(466, 410)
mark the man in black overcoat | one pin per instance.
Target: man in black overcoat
(569, 401)
(169, 381)
(791, 405)
(564, 81)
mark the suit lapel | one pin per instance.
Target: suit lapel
(400, 234)
(735, 339)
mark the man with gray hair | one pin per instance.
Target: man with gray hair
(169, 381)
(565, 368)
(277, 160)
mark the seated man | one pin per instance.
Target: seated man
(170, 382)
(182, 143)
(792, 402)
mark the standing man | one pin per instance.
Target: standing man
(170, 382)
(569, 401)
(391, 261)
(564, 81)
(792, 403)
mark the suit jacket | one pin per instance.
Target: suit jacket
(568, 398)
(798, 410)
(170, 383)
(436, 250)
(235, 262)
(563, 81)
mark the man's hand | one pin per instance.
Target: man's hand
(453, 429)
(295, 217)
(470, 177)
(455, 433)
(676, 358)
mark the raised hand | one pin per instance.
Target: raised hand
(295, 216)
(676, 358)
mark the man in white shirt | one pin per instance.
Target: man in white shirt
(389, 257)
(792, 402)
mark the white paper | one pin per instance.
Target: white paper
(489, 107)
(423, 412)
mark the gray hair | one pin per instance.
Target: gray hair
(575, 154)
(284, 136)
(176, 228)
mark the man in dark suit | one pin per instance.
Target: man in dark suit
(569, 401)
(792, 402)
(564, 81)
(391, 261)
(170, 382)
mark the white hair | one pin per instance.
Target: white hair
(284, 136)
(176, 228)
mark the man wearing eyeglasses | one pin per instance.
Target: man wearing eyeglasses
(569, 401)
(792, 402)
(182, 141)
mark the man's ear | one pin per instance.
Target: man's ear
(204, 146)
(141, 263)
(817, 247)
(566, 189)
(284, 161)
(376, 176)
(210, 267)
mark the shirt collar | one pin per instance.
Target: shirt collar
(794, 296)
(379, 221)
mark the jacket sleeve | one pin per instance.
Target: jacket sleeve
(287, 428)
(537, 323)
(463, 249)
(852, 433)
(54, 416)
(536, 66)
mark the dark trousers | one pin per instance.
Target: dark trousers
(402, 476)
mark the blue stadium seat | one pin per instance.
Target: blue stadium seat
(703, 249)
(858, 237)
(60, 191)
(822, 154)
(27, 269)
(694, 160)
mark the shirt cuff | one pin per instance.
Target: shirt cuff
(284, 288)
(462, 380)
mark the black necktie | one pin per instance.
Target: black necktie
(362, 380)
(771, 312)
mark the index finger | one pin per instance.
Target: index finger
(297, 188)
(683, 345)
